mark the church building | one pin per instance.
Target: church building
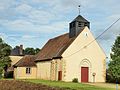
(72, 55)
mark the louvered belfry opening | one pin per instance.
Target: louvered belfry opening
(77, 25)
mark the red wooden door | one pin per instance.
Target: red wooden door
(59, 75)
(84, 74)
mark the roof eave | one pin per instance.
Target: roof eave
(59, 57)
(25, 66)
(42, 60)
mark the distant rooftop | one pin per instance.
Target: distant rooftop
(17, 51)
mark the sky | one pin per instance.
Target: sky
(33, 22)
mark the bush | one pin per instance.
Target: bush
(8, 74)
(75, 80)
(1, 72)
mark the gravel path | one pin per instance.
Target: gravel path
(106, 85)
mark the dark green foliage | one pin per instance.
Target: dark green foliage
(1, 72)
(31, 51)
(37, 50)
(5, 50)
(75, 80)
(116, 49)
(8, 74)
(109, 78)
(114, 66)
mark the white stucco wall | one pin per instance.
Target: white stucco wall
(20, 73)
(93, 55)
(43, 70)
(48, 70)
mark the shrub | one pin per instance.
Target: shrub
(75, 80)
(8, 74)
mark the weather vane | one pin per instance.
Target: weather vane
(79, 8)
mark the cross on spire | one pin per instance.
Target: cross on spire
(79, 8)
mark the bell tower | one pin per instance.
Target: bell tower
(77, 25)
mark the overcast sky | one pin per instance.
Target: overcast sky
(33, 22)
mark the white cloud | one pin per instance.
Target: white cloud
(23, 9)
(40, 16)
(113, 17)
(3, 36)
(19, 25)
(26, 26)
(45, 16)
(53, 2)
(27, 37)
(114, 30)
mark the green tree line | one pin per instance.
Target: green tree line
(113, 72)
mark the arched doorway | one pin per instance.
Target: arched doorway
(85, 68)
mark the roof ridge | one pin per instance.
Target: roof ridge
(80, 18)
(59, 36)
(27, 60)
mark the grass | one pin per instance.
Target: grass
(69, 85)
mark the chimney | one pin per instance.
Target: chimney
(21, 50)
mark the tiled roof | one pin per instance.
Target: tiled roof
(26, 61)
(54, 47)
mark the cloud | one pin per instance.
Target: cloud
(23, 9)
(40, 17)
(27, 37)
(19, 25)
(3, 36)
(39, 20)
(24, 16)
(113, 31)
(44, 1)
(26, 26)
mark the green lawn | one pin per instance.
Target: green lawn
(69, 85)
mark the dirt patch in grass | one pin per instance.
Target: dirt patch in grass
(21, 85)
(107, 85)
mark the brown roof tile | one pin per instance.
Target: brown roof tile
(54, 47)
(26, 61)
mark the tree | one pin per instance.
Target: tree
(31, 51)
(5, 61)
(37, 50)
(114, 65)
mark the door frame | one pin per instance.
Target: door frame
(85, 63)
